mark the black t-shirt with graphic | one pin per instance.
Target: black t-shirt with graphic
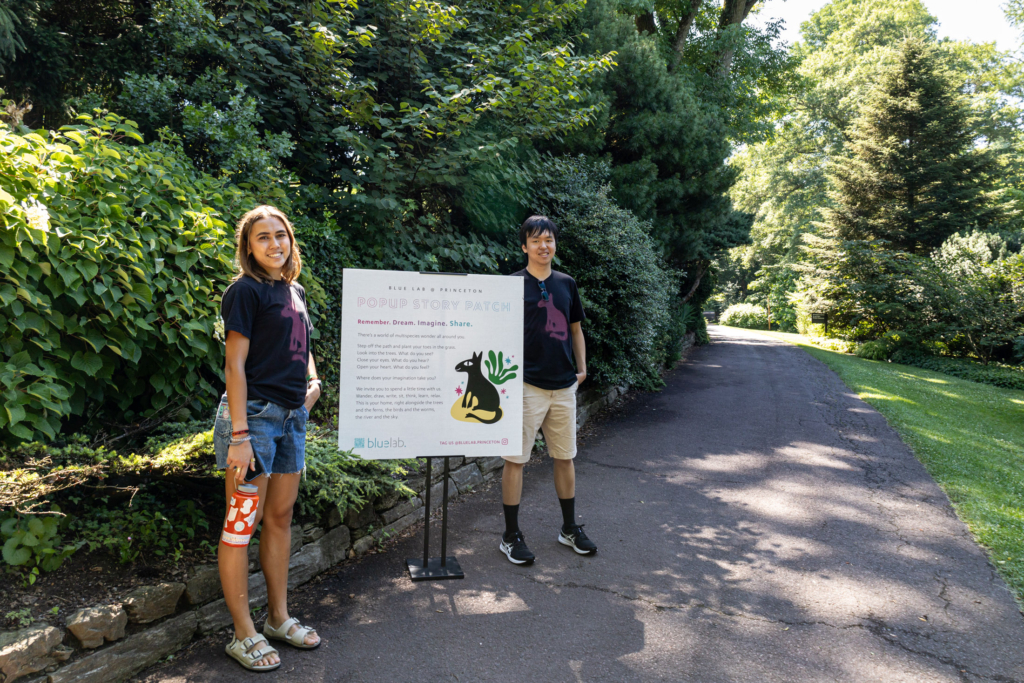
(547, 342)
(273, 316)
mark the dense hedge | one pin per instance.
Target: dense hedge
(114, 255)
(750, 316)
(634, 327)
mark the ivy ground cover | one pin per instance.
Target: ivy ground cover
(969, 436)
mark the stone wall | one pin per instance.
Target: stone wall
(110, 643)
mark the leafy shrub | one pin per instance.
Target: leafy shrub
(873, 350)
(749, 316)
(884, 348)
(968, 297)
(147, 526)
(326, 252)
(34, 542)
(627, 290)
(339, 478)
(998, 375)
(980, 307)
(113, 259)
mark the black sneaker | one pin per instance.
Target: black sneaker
(515, 549)
(574, 537)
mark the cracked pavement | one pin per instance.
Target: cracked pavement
(756, 522)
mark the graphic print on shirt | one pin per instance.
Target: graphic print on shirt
(557, 326)
(297, 340)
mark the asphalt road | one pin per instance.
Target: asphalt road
(756, 522)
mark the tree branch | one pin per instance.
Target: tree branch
(683, 31)
(733, 14)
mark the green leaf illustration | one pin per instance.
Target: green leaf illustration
(496, 370)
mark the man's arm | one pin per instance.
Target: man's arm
(579, 350)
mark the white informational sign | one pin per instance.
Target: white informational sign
(431, 364)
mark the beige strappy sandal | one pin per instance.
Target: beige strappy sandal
(245, 654)
(296, 639)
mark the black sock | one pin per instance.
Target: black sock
(511, 519)
(568, 511)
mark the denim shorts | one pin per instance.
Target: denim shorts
(278, 435)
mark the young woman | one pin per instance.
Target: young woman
(260, 431)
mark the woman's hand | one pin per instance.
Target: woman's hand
(580, 376)
(240, 459)
(312, 395)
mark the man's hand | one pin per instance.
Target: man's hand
(580, 376)
(312, 395)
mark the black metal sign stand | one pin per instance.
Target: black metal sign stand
(435, 568)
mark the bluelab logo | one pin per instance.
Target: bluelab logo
(379, 443)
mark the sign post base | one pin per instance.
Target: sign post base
(435, 568)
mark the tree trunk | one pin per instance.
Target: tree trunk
(645, 23)
(733, 14)
(696, 283)
(683, 31)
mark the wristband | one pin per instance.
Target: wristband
(240, 432)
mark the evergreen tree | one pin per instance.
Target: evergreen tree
(914, 174)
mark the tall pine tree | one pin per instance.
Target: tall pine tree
(915, 174)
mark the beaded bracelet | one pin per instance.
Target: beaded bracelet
(239, 442)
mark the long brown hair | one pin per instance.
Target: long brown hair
(247, 263)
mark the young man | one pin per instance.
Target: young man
(551, 336)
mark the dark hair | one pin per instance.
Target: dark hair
(537, 225)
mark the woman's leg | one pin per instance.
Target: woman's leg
(234, 574)
(275, 547)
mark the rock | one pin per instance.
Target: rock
(416, 482)
(488, 465)
(95, 624)
(387, 501)
(335, 545)
(312, 533)
(305, 564)
(436, 469)
(363, 545)
(204, 585)
(334, 517)
(150, 603)
(454, 462)
(296, 538)
(401, 510)
(214, 616)
(29, 650)
(357, 519)
(436, 492)
(467, 477)
(399, 525)
(131, 655)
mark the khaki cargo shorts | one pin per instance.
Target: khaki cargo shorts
(554, 411)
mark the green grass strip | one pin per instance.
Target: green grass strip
(969, 436)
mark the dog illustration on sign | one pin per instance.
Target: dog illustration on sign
(480, 396)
